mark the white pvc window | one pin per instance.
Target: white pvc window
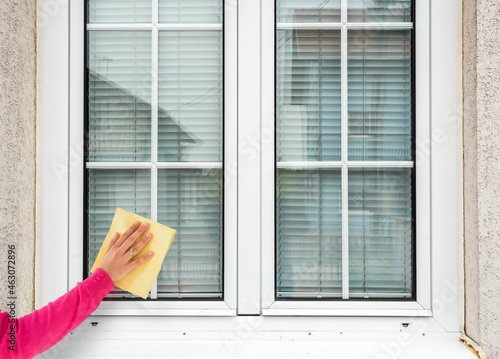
(344, 144)
(155, 132)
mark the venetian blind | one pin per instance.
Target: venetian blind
(163, 162)
(369, 168)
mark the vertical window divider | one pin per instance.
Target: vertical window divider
(154, 126)
(344, 157)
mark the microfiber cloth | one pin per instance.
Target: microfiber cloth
(141, 279)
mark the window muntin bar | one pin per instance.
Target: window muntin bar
(376, 132)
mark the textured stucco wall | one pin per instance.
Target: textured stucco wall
(481, 77)
(17, 146)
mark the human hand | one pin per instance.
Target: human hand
(117, 261)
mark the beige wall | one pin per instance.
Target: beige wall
(17, 146)
(481, 77)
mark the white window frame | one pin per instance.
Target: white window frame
(422, 305)
(249, 233)
(75, 174)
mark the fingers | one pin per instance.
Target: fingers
(129, 242)
(141, 260)
(137, 248)
(128, 233)
(113, 241)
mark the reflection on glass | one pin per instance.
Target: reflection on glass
(380, 95)
(309, 234)
(122, 12)
(379, 10)
(119, 102)
(190, 96)
(190, 201)
(380, 233)
(307, 11)
(308, 80)
(190, 11)
(107, 190)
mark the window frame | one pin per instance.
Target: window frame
(224, 307)
(422, 304)
(60, 173)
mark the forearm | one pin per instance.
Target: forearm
(45, 327)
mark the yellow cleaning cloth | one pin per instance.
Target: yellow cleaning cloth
(141, 279)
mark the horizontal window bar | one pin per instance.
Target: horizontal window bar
(350, 25)
(338, 164)
(177, 165)
(204, 27)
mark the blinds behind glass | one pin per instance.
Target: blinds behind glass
(309, 228)
(191, 201)
(380, 95)
(119, 100)
(369, 167)
(107, 190)
(154, 108)
(190, 96)
(308, 11)
(190, 11)
(122, 12)
(380, 10)
(380, 233)
(308, 95)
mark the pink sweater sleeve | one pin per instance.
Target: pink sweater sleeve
(40, 330)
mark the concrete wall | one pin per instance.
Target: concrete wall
(17, 147)
(481, 79)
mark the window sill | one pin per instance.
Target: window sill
(339, 308)
(164, 308)
(253, 338)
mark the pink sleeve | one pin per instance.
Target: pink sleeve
(40, 330)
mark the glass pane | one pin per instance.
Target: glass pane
(380, 95)
(190, 11)
(119, 71)
(380, 233)
(309, 234)
(307, 11)
(107, 190)
(122, 12)
(190, 201)
(379, 10)
(190, 96)
(308, 80)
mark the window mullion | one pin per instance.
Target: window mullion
(154, 126)
(344, 141)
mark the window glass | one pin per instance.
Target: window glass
(308, 95)
(190, 96)
(154, 135)
(380, 10)
(308, 11)
(119, 98)
(380, 233)
(190, 200)
(107, 190)
(123, 11)
(190, 11)
(344, 151)
(380, 95)
(309, 227)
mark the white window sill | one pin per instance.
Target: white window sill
(99, 341)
